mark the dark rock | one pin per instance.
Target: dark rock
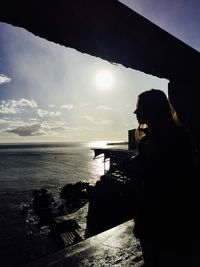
(42, 200)
(75, 196)
(43, 203)
(75, 191)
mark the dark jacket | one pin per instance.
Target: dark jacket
(166, 197)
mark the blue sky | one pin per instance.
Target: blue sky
(50, 93)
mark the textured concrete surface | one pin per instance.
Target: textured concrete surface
(115, 247)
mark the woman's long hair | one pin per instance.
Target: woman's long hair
(160, 112)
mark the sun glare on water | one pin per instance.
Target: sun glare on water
(104, 79)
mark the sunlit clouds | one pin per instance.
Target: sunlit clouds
(45, 113)
(4, 79)
(16, 106)
(50, 93)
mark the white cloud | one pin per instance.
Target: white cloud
(3, 122)
(68, 107)
(16, 106)
(4, 79)
(104, 107)
(51, 106)
(25, 102)
(45, 113)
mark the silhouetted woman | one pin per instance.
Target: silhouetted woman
(164, 168)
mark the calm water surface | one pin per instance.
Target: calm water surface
(27, 167)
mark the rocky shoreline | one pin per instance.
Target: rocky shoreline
(108, 205)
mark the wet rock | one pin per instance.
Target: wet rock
(75, 196)
(71, 192)
(42, 200)
(43, 203)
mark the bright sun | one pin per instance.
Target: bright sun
(104, 79)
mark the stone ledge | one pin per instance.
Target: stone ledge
(114, 247)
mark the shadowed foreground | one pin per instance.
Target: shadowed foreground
(115, 247)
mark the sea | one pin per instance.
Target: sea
(25, 167)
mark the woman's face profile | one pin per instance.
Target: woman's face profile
(141, 113)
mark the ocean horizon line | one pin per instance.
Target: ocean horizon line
(59, 143)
